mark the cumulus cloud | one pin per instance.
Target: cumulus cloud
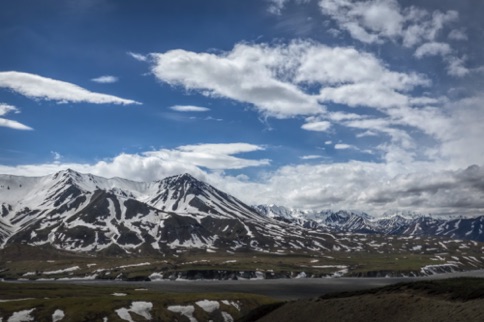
(189, 108)
(106, 79)
(380, 21)
(5, 109)
(276, 80)
(342, 65)
(154, 165)
(426, 187)
(43, 88)
(252, 74)
(371, 21)
(274, 77)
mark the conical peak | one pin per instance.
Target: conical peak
(182, 178)
(66, 173)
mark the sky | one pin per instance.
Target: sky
(370, 105)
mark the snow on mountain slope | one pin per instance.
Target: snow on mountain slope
(391, 223)
(82, 212)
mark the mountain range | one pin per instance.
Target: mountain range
(180, 218)
(83, 212)
(396, 223)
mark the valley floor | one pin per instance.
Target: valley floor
(436, 298)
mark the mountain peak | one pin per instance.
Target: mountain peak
(186, 176)
(66, 173)
(182, 178)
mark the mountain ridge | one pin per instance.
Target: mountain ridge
(393, 223)
(82, 212)
(180, 216)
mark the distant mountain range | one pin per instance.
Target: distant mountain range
(405, 224)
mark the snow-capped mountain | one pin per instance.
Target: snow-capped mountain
(391, 223)
(326, 220)
(83, 212)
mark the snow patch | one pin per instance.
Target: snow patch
(227, 317)
(186, 310)
(156, 277)
(234, 304)
(208, 306)
(58, 315)
(301, 275)
(14, 300)
(21, 316)
(60, 271)
(134, 265)
(138, 307)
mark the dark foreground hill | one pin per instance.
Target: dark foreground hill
(459, 299)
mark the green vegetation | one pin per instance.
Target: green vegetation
(93, 303)
(372, 255)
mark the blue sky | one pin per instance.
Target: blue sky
(373, 105)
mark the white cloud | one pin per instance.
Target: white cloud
(138, 57)
(456, 66)
(268, 75)
(310, 157)
(343, 65)
(276, 6)
(155, 165)
(274, 78)
(106, 79)
(189, 108)
(56, 155)
(318, 126)
(254, 74)
(5, 109)
(213, 156)
(432, 49)
(14, 124)
(343, 146)
(370, 94)
(377, 21)
(38, 87)
(368, 186)
(457, 34)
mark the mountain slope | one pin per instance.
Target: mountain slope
(82, 212)
(85, 216)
